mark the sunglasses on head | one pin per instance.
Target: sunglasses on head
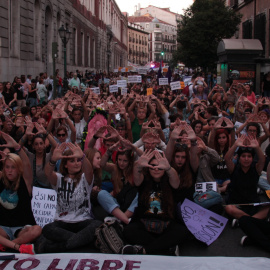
(183, 145)
(61, 135)
(250, 149)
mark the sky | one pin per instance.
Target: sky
(174, 5)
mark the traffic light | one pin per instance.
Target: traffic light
(55, 49)
(162, 53)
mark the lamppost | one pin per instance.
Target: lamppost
(64, 34)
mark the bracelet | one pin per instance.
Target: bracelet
(193, 143)
(168, 169)
(18, 150)
(82, 158)
(52, 162)
(95, 137)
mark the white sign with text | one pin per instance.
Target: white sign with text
(113, 88)
(163, 81)
(175, 85)
(121, 83)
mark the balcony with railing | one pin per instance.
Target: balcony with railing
(157, 49)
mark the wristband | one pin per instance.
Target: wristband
(82, 158)
(18, 150)
(52, 162)
(95, 137)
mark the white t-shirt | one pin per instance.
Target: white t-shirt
(73, 202)
(79, 130)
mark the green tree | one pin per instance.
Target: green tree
(204, 24)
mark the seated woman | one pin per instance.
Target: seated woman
(244, 179)
(73, 226)
(153, 228)
(122, 201)
(17, 225)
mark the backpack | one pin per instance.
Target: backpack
(110, 237)
(207, 199)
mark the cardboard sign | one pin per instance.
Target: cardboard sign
(182, 85)
(96, 90)
(142, 71)
(113, 88)
(44, 205)
(205, 186)
(121, 83)
(106, 80)
(163, 81)
(268, 193)
(175, 85)
(124, 91)
(205, 225)
(135, 79)
(149, 91)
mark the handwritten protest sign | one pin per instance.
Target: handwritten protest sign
(124, 91)
(163, 81)
(175, 85)
(205, 225)
(205, 186)
(106, 80)
(44, 205)
(149, 91)
(96, 90)
(121, 83)
(135, 79)
(113, 88)
(142, 71)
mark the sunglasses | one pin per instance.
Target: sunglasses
(250, 149)
(61, 134)
(183, 145)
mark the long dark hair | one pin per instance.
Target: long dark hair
(41, 136)
(184, 171)
(216, 144)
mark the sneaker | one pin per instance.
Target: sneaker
(245, 241)
(27, 249)
(2, 248)
(129, 249)
(235, 223)
(174, 251)
(110, 219)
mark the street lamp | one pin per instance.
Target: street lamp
(64, 34)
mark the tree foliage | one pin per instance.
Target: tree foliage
(204, 24)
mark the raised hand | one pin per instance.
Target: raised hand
(144, 159)
(223, 122)
(253, 142)
(242, 141)
(175, 134)
(163, 163)
(58, 152)
(201, 144)
(10, 142)
(76, 150)
(40, 128)
(190, 132)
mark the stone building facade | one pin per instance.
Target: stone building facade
(137, 44)
(28, 27)
(255, 24)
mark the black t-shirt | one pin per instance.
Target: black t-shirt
(19, 90)
(15, 207)
(8, 96)
(243, 186)
(220, 171)
(32, 94)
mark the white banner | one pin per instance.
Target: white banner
(175, 85)
(124, 91)
(205, 186)
(142, 71)
(121, 83)
(96, 90)
(96, 261)
(135, 79)
(113, 88)
(115, 70)
(163, 81)
(205, 225)
(43, 205)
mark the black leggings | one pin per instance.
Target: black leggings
(61, 236)
(136, 234)
(257, 230)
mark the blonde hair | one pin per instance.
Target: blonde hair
(16, 160)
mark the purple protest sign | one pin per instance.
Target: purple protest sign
(205, 225)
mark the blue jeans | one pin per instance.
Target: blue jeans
(263, 183)
(109, 203)
(32, 102)
(11, 231)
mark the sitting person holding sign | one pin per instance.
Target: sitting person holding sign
(18, 226)
(73, 226)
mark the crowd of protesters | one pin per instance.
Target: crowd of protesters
(131, 156)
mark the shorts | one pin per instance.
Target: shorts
(12, 232)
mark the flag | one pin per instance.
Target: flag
(169, 75)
